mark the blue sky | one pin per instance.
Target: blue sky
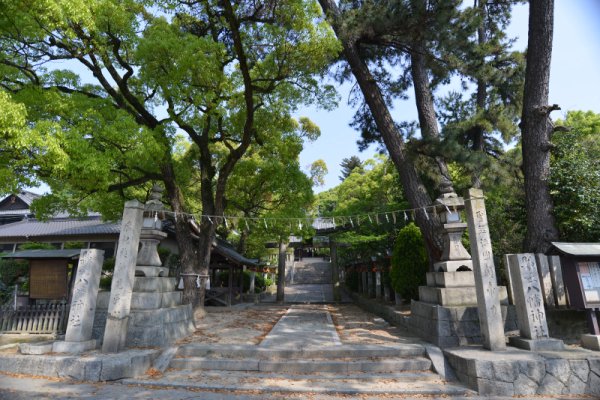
(574, 83)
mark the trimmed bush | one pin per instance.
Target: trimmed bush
(409, 262)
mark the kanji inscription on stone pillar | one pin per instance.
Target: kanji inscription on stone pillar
(488, 303)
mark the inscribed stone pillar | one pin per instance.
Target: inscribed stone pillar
(529, 300)
(85, 293)
(488, 303)
(121, 289)
(560, 293)
(545, 280)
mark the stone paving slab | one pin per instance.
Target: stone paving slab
(302, 327)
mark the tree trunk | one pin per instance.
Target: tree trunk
(413, 187)
(426, 112)
(188, 253)
(481, 98)
(537, 129)
(281, 271)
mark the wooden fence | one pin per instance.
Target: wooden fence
(42, 318)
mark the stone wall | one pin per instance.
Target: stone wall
(517, 372)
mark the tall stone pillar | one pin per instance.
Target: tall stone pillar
(490, 314)
(115, 332)
(529, 302)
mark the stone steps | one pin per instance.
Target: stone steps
(398, 383)
(303, 366)
(341, 359)
(331, 352)
(307, 272)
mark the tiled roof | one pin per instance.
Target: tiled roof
(45, 254)
(15, 212)
(223, 248)
(28, 197)
(58, 227)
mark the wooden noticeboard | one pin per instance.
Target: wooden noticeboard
(589, 273)
(48, 279)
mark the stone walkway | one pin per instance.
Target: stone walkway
(302, 327)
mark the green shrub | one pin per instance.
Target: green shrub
(11, 270)
(260, 283)
(409, 262)
(36, 246)
(108, 268)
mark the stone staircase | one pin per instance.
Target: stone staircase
(341, 369)
(309, 271)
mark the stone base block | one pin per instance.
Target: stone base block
(95, 367)
(456, 296)
(154, 284)
(36, 348)
(591, 342)
(452, 326)
(525, 374)
(152, 327)
(451, 279)
(73, 347)
(154, 300)
(453, 266)
(548, 344)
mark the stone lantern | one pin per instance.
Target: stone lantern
(455, 257)
(148, 261)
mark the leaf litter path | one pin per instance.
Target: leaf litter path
(249, 324)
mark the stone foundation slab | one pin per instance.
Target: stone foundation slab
(93, 366)
(516, 372)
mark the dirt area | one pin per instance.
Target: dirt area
(251, 324)
(354, 325)
(236, 326)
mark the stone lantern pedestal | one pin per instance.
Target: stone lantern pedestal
(157, 316)
(446, 313)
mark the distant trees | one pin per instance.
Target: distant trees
(350, 164)
(575, 177)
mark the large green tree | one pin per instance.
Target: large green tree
(216, 71)
(392, 45)
(575, 177)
